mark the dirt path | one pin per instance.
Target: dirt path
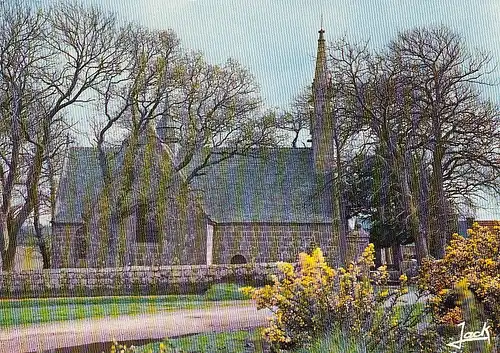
(41, 337)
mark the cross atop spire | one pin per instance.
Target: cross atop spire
(321, 53)
(321, 29)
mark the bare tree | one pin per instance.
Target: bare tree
(199, 108)
(433, 134)
(45, 204)
(373, 85)
(205, 113)
(215, 114)
(298, 117)
(49, 60)
(131, 100)
(135, 97)
(457, 128)
(20, 43)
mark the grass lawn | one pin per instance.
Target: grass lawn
(29, 311)
(223, 342)
(16, 312)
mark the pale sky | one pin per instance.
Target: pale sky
(276, 39)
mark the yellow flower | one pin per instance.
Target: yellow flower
(403, 278)
(317, 255)
(286, 268)
(247, 290)
(384, 293)
(443, 291)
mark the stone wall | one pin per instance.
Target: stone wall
(63, 245)
(128, 280)
(278, 242)
(267, 242)
(180, 242)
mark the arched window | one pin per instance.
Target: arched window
(238, 259)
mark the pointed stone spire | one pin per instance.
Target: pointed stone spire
(321, 125)
(321, 54)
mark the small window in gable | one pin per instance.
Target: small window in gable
(146, 227)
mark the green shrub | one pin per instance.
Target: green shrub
(335, 342)
(310, 300)
(338, 341)
(225, 291)
(473, 264)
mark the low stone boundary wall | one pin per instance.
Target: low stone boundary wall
(129, 280)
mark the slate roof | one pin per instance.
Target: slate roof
(277, 185)
(79, 184)
(76, 184)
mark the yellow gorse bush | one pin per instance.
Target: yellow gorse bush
(163, 347)
(471, 264)
(310, 297)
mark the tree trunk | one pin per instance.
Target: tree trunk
(378, 257)
(15, 223)
(387, 256)
(295, 139)
(42, 245)
(423, 205)
(4, 237)
(439, 212)
(411, 212)
(121, 203)
(8, 185)
(104, 165)
(397, 256)
(10, 253)
(341, 211)
(421, 249)
(343, 232)
(399, 162)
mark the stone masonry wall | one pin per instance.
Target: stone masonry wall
(128, 280)
(267, 242)
(63, 244)
(278, 242)
(180, 242)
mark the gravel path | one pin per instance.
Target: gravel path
(41, 337)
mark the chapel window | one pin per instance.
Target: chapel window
(80, 244)
(146, 226)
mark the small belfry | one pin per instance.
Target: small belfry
(321, 121)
